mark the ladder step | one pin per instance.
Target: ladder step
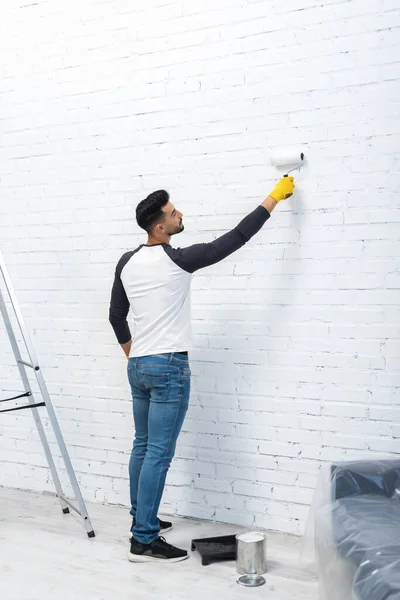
(25, 395)
(23, 407)
(22, 362)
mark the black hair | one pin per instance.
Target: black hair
(149, 210)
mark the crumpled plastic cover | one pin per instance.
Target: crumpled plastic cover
(353, 532)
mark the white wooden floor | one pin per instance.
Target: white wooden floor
(47, 555)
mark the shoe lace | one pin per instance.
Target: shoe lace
(164, 542)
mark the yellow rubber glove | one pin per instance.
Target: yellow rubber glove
(284, 189)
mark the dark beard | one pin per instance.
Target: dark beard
(179, 230)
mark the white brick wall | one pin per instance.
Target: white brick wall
(297, 335)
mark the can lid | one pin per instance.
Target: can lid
(251, 536)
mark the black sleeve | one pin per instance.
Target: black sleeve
(119, 305)
(198, 256)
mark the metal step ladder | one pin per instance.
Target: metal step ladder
(33, 363)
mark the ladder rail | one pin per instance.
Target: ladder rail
(17, 311)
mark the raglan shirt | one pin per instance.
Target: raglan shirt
(154, 282)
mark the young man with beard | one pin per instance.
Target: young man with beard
(154, 282)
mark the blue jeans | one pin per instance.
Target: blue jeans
(160, 393)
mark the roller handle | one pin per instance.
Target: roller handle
(287, 174)
(298, 166)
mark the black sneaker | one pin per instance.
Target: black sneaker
(165, 526)
(157, 551)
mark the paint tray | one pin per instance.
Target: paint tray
(215, 548)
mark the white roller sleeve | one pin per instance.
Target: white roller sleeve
(281, 158)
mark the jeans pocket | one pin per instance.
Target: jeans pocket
(158, 385)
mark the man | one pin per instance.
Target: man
(154, 281)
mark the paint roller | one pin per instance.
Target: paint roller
(285, 158)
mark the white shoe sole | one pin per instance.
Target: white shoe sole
(138, 558)
(161, 532)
